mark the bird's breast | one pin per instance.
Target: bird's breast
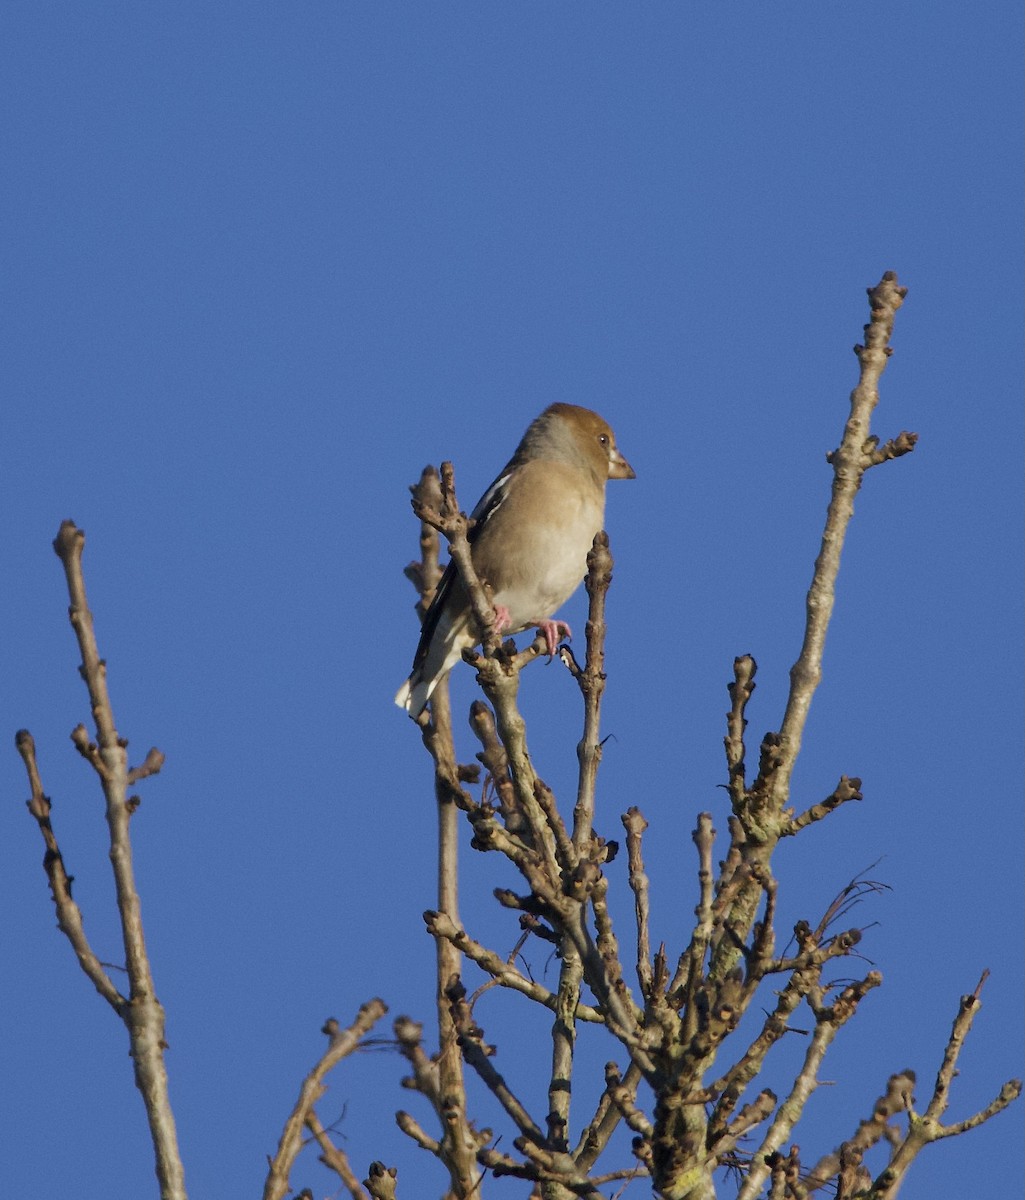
(547, 563)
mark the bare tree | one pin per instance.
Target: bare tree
(683, 1076)
(673, 1028)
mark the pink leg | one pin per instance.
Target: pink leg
(551, 629)
(552, 635)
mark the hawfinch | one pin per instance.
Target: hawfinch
(534, 528)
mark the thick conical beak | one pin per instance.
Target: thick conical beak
(619, 468)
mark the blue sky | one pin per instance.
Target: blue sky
(262, 262)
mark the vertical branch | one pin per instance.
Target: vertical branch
(426, 574)
(741, 690)
(458, 1146)
(571, 973)
(143, 1015)
(690, 971)
(564, 1038)
(592, 686)
(857, 452)
(760, 809)
(635, 825)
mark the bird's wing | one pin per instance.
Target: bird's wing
(484, 510)
(489, 504)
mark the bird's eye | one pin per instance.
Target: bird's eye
(603, 438)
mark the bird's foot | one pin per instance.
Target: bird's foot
(552, 636)
(502, 618)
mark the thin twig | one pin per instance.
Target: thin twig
(333, 1157)
(761, 810)
(341, 1043)
(143, 1014)
(855, 455)
(69, 915)
(829, 1021)
(635, 825)
(458, 1145)
(741, 690)
(927, 1127)
(592, 686)
(500, 969)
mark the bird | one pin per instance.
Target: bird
(529, 538)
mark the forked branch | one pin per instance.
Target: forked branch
(341, 1043)
(141, 1011)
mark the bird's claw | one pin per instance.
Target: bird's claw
(552, 636)
(552, 631)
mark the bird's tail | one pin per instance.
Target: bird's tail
(414, 694)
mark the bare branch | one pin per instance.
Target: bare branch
(433, 497)
(142, 1012)
(412, 1129)
(500, 969)
(846, 789)
(761, 809)
(635, 825)
(895, 1101)
(618, 1102)
(380, 1182)
(741, 690)
(496, 762)
(341, 1043)
(449, 1106)
(458, 1144)
(425, 574)
(828, 1023)
(150, 766)
(592, 686)
(928, 1128)
(733, 1085)
(455, 525)
(854, 456)
(69, 915)
(969, 1006)
(333, 1157)
(477, 1055)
